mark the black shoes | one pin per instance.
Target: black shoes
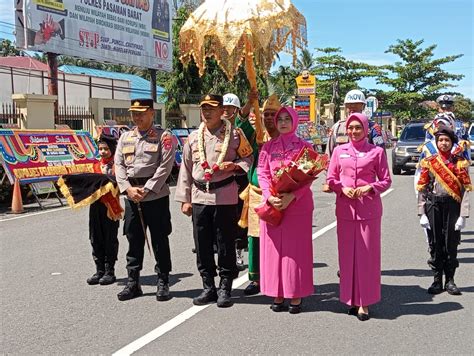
(209, 293)
(437, 285)
(436, 288)
(207, 296)
(95, 278)
(295, 308)
(223, 294)
(363, 316)
(163, 289)
(252, 289)
(353, 311)
(224, 298)
(451, 287)
(132, 289)
(278, 307)
(100, 271)
(109, 275)
(292, 309)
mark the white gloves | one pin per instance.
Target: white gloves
(460, 224)
(424, 222)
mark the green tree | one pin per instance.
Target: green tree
(336, 75)
(282, 83)
(8, 49)
(183, 85)
(416, 77)
(464, 108)
(305, 61)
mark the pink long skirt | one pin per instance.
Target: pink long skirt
(286, 257)
(359, 261)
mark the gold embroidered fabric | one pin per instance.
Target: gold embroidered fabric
(221, 29)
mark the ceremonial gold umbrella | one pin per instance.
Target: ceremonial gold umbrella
(235, 30)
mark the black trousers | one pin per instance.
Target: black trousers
(157, 217)
(215, 223)
(241, 240)
(442, 238)
(102, 234)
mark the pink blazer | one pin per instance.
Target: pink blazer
(273, 154)
(349, 168)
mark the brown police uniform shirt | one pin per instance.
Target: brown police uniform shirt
(338, 136)
(140, 156)
(186, 191)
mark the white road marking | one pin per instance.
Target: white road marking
(34, 214)
(189, 313)
(47, 211)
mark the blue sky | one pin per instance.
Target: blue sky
(364, 29)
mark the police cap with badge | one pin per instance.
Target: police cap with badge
(212, 100)
(141, 105)
(445, 100)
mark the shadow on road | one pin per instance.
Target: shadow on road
(408, 273)
(151, 279)
(319, 265)
(397, 301)
(466, 250)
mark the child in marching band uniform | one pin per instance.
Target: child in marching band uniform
(443, 206)
(103, 229)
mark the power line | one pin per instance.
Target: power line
(21, 73)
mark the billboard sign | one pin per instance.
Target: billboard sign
(40, 155)
(130, 32)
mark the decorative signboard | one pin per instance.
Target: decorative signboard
(131, 32)
(305, 102)
(40, 155)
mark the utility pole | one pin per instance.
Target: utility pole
(53, 80)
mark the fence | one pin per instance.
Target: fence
(76, 117)
(10, 114)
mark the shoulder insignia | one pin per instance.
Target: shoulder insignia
(245, 148)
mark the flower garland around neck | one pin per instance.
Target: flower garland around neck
(208, 170)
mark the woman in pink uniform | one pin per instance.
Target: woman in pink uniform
(286, 250)
(358, 173)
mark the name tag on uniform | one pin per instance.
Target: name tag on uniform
(344, 155)
(151, 147)
(128, 149)
(342, 139)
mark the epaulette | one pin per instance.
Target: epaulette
(462, 163)
(245, 148)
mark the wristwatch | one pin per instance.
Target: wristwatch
(146, 190)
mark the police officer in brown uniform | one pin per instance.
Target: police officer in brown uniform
(143, 161)
(208, 192)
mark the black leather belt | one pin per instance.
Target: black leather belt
(214, 185)
(135, 182)
(440, 198)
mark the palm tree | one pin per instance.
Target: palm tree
(305, 61)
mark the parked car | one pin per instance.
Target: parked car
(405, 154)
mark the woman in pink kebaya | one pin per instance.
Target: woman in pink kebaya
(358, 173)
(286, 250)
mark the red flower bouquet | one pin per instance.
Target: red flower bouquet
(302, 169)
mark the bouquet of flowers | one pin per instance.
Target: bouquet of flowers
(302, 169)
